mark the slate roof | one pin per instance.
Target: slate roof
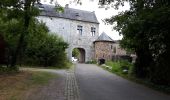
(104, 37)
(69, 13)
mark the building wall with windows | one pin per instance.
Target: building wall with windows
(80, 29)
(78, 33)
(106, 48)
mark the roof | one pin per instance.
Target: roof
(104, 37)
(69, 13)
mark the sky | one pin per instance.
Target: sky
(101, 14)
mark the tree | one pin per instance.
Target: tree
(145, 30)
(20, 13)
(75, 52)
(23, 11)
(45, 48)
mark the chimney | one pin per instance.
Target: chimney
(67, 6)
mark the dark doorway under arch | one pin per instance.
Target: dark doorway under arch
(79, 53)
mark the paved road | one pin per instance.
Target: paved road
(97, 84)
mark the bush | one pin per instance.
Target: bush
(43, 48)
(91, 62)
(47, 51)
(120, 67)
(125, 64)
(5, 69)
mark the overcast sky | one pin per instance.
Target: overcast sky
(101, 14)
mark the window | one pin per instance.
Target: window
(114, 50)
(93, 31)
(79, 29)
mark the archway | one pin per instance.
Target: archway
(79, 54)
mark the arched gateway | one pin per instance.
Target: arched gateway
(77, 27)
(81, 54)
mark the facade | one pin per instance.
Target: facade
(106, 48)
(103, 47)
(118, 51)
(77, 27)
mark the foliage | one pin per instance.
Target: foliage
(20, 13)
(75, 53)
(45, 48)
(20, 28)
(117, 69)
(120, 67)
(91, 62)
(7, 70)
(146, 32)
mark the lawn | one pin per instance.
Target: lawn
(14, 86)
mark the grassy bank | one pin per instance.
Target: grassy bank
(14, 86)
(125, 70)
(66, 66)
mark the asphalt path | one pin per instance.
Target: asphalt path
(97, 84)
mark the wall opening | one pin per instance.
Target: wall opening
(78, 54)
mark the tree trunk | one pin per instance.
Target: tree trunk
(22, 36)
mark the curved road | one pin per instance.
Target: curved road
(97, 84)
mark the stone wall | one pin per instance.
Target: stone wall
(103, 49)
(67, 29)
(107, 49)
(119, 50)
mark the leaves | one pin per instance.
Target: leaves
(46, 48)
(145, 29)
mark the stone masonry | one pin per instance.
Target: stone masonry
(66, 25)
(103, 49)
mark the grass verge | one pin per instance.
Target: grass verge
(14, 86)
(66, 66)
(119, 68)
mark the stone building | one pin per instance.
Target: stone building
(106, 48)
(103, 47)
(77, 27)
(118, 51)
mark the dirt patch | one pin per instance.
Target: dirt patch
(13, 84)
(17, 86)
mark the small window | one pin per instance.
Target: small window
(111, 47)
(93, 31)
(77, 14)
(79, 29)
(41, 8)
(114, 50)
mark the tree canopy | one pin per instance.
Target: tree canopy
(23, 34)
(146, 31)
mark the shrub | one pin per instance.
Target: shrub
(91, 62)
(125, 64)
(120, 67)
(5, 69)
(43, 48)
(115, 66)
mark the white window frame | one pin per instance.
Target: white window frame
(93, 31)
(80, 29)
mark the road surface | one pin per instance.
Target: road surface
(94, 83)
